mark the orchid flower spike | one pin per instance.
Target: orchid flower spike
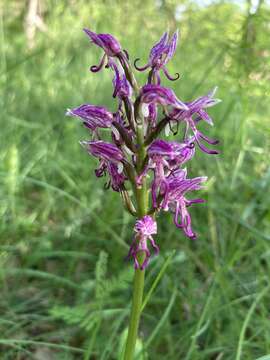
(150, 173)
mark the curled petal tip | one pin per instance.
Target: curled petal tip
(140, 68)
(177, 76)
(206, 150)
(168, 76)
(94, 68)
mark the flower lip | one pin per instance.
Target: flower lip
(144, 229)
(146, 226)
(117, 178)
(174, 191)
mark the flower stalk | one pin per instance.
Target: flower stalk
(138, 284)
(135, 314)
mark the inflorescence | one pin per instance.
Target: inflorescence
(136, 156)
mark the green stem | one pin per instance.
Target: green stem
(138, 285)
(135, 314)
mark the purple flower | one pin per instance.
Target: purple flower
(196, 108)
(104, 150)
(108, 43)
(156, 94)
(164, 158)
(122, 88)
(117, 178)
(144, 229)
(111, 161)
(171, 151)
(160, 54)
(92, 116)
(173, 191)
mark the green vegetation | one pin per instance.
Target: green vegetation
(65, 287)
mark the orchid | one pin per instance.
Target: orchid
(197, 108)
(174, 190)
(149, 172)
(108, 43)
(159, 55)
(93, 117)
(156, 94)
(144, 229)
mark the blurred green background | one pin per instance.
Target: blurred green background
(65, 288)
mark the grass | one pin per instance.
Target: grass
(65, 289)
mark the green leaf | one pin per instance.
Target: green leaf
(157, 279)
